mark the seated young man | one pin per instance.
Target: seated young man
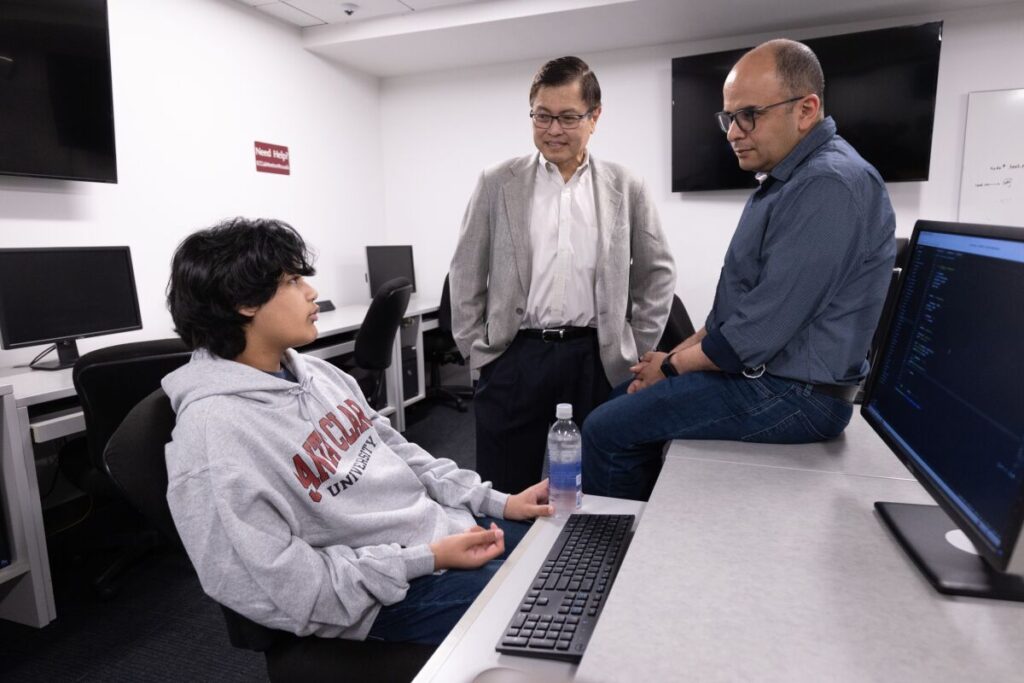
(300, 507)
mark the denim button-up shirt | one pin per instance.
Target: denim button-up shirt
(806, 273)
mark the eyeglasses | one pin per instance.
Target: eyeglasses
(746, 118)
(566, 121)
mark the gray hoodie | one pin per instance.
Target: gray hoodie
(299, 505)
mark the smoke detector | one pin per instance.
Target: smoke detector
(349, 8)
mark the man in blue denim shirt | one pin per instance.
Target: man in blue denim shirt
(785, 345)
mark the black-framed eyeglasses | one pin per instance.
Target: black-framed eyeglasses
(566, 121)
(746, 118)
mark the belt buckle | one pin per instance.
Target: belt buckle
(552, 334)
(753, 373)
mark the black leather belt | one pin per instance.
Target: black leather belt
(844, 392)
(554, 334)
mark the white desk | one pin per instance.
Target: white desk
(26, 595)
(28, 598)
(768, 563)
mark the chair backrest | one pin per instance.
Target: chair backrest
(111, 380)
(134, 459)
(902, 250)
(678, 327)
(376, 335)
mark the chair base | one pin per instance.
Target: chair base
(312, 659)
(455, 394)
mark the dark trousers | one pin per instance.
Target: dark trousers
(624, 439)
(436, 602)
(515, 404)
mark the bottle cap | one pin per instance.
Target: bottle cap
(563, 411)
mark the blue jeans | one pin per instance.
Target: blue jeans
(624, 438)
(435, 603)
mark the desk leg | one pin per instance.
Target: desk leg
(28, 599)
(396, 392)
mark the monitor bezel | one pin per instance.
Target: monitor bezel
(1012, 560)
(4, 323)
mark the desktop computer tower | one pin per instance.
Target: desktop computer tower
(5, 545)
(410, 373)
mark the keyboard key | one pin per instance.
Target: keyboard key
(514, 642)
(542, 643)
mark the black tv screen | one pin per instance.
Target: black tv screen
(879, 87)
(56, 100)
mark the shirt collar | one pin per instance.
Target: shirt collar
(552, 170)
(819, 135)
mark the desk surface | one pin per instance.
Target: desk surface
(763, 563)
(781, 570)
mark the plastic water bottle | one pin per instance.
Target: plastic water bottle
(565, 454)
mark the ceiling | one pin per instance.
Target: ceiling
(318, 12)
(396, 37)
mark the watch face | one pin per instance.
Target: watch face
(667, 368)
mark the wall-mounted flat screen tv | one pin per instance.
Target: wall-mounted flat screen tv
(879, 87)
(56, 99)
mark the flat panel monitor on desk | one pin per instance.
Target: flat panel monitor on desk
(385, 263)
(58, 295)
(947, 396)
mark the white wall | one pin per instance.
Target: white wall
(440, 130)
(195, 83)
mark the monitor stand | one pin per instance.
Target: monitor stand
(922, 529)
(67, 356)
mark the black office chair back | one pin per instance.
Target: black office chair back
(678, 327)
(376, 336)
(134, 459)
(444, 311)
(110, 381)
(902, 249)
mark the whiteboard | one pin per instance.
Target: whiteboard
(992, 181)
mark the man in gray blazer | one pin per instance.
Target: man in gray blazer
(561, 279)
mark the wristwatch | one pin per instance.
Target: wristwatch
(667, 368)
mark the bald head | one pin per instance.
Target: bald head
(794, 64)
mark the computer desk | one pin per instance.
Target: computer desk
(764, 563)
(33, 410)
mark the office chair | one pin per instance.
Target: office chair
(376, 337)
(677, 328)
(902, 249)
(439, 349)
(134, 458)
(109, 382)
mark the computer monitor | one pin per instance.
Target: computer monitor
(58, 295)
(385, 263)
(947, 396)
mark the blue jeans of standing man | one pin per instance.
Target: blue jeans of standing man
(623, 439)
(435, 603)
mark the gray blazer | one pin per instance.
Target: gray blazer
(490, 272)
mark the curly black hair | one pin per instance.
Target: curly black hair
(216, 271)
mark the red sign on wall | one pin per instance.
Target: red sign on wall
(272, 158)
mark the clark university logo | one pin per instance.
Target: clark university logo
(323, 448)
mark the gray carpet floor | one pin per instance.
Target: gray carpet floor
(160, 626)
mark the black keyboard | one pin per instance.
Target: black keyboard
(555, 618)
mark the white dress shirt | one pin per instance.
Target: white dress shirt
(563, 245)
